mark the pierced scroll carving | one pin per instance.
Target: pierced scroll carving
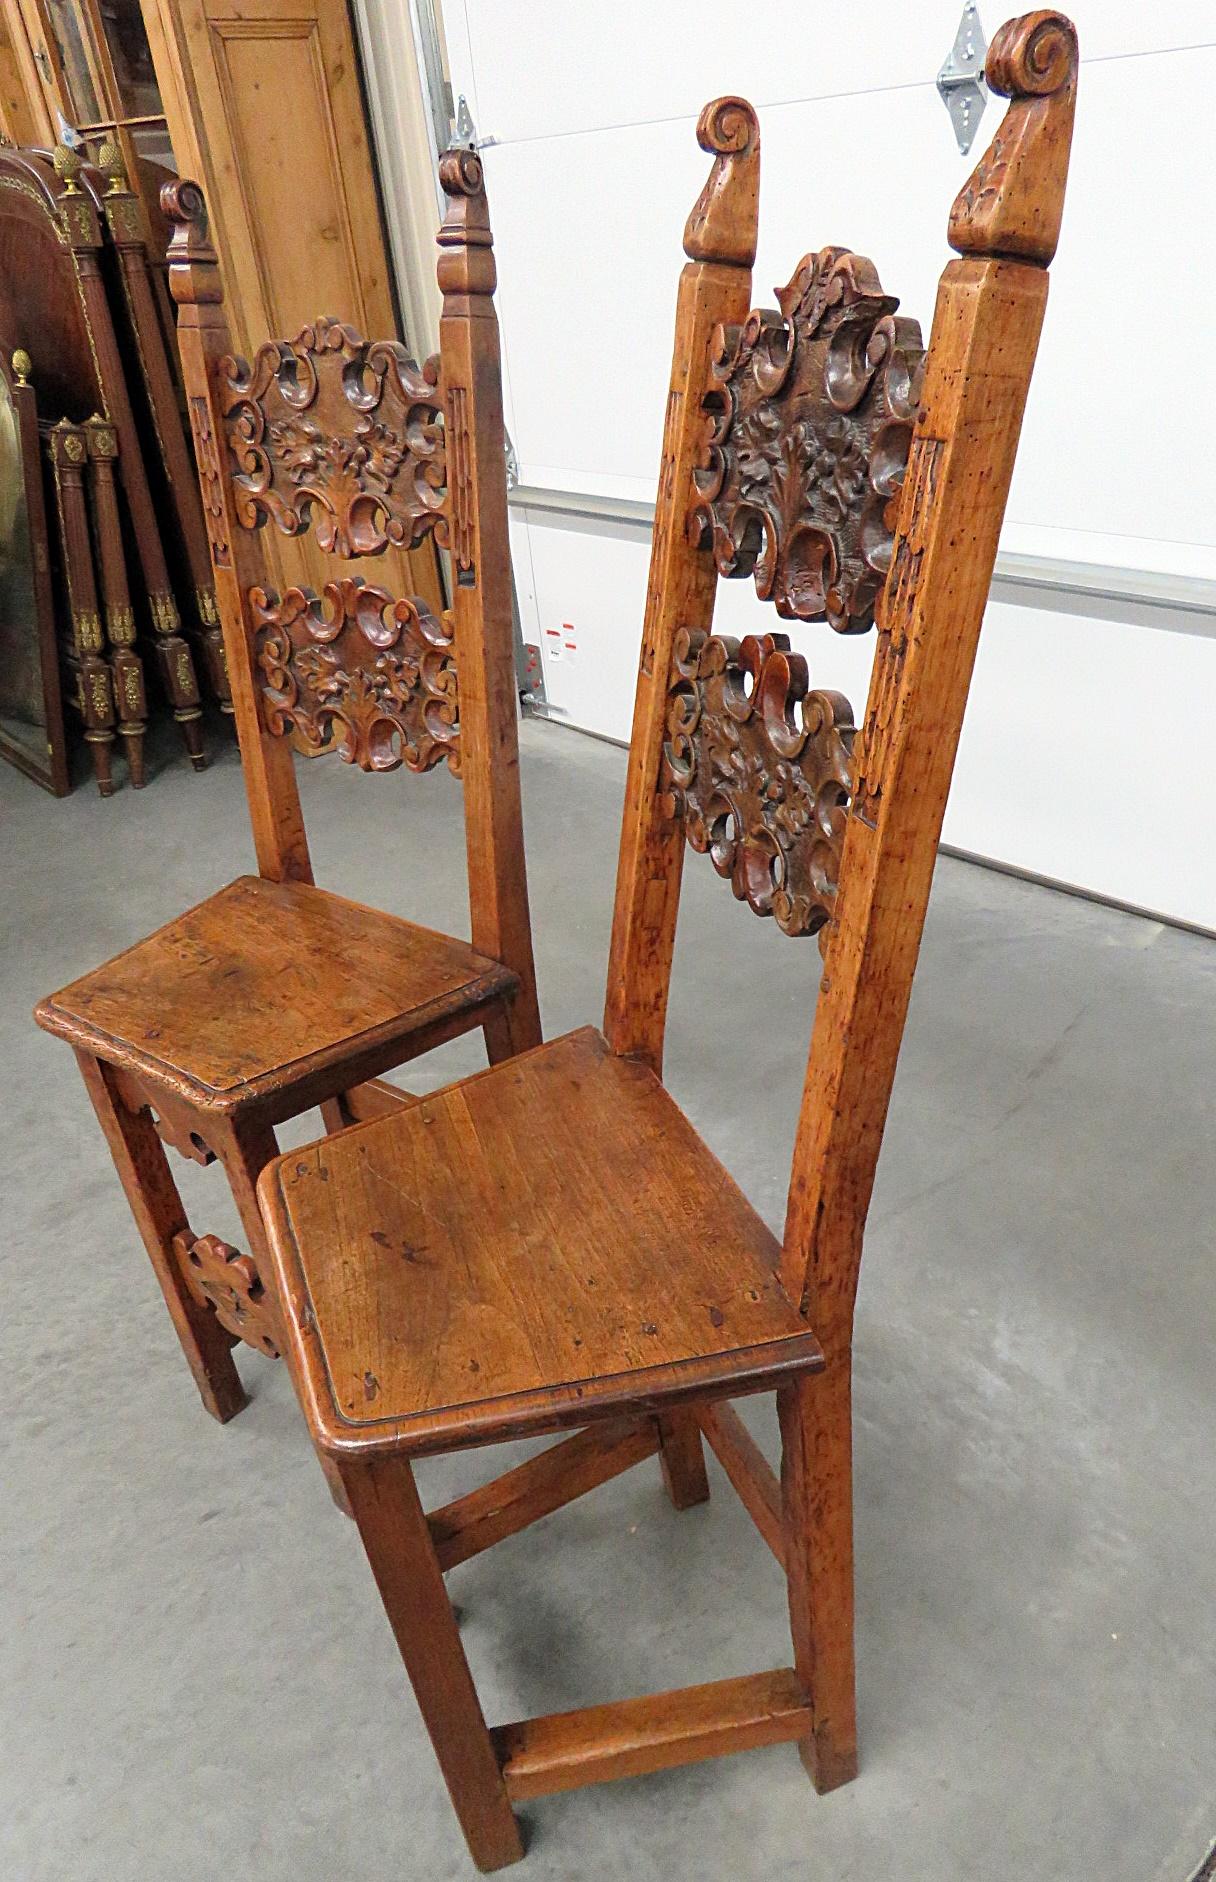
(376, 674)
(222, 1278)
(340, 434)
(759, 768)
(808, 421)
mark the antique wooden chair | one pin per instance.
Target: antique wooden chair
(273, 995)
(549, 1245)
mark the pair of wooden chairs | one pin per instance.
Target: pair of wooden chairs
(455, 1270)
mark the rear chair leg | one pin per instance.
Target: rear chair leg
(682, 1459)
(143, 1170)
(817, 1498)
(245, 1146)
(393, 1528)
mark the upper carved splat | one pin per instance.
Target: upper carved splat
(339, 433)
(808, 422)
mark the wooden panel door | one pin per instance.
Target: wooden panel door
(265, 108)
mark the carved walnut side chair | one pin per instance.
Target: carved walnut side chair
(273, 995)
(549, 1244)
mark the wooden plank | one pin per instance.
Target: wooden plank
(748, 1469)
(558, 1476)
(377, 1098)
(715, 287)
(564, 1750)
(482, 607)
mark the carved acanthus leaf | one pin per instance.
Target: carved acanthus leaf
(375, 674)
(808, 420)
(340, 434)
(758, 767)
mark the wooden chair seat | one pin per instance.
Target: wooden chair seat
(543, 1244)
(314, 978)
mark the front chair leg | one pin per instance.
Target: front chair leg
(143, 1168)
(393, 1527)
(817, 1500)
(682, 1459)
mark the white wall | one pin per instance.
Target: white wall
(1064, 767)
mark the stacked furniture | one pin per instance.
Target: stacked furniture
(125, 540)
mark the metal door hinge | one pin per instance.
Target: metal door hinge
(466, 131)
(961, 80)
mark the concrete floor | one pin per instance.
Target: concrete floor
(198, 1681)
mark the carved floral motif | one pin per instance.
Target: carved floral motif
(808, 420)
(376, 674)
(340, 434)
(758, 767)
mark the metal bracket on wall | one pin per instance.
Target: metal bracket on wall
(466, 131)
(961, 79)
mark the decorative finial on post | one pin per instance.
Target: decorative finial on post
(110, 163)
(466, 259)
(23, 366)
(1014, 201)
(722, 226)
(194, 274)
(67, 168)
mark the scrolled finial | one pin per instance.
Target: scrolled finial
(460, 172)
(23, 366)
(722, 226)
(727, 127)
(466, 258)
(1013, 202)
(182, 201)
(194, 275)
(66, 164)
(1033, 56)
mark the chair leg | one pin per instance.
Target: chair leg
(143, 1170)
(817, 1498)
(394, 1531)
(682, 1459)
(245, 1146)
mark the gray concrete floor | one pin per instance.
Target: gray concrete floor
(198, 1682)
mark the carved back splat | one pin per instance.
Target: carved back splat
(806, 427)
(349, 439)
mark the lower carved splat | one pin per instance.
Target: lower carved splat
(759, 768)
(228, 1282)
(374, 674)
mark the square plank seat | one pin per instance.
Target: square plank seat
(542, 1245)
(550, 1244)
(327, 992)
